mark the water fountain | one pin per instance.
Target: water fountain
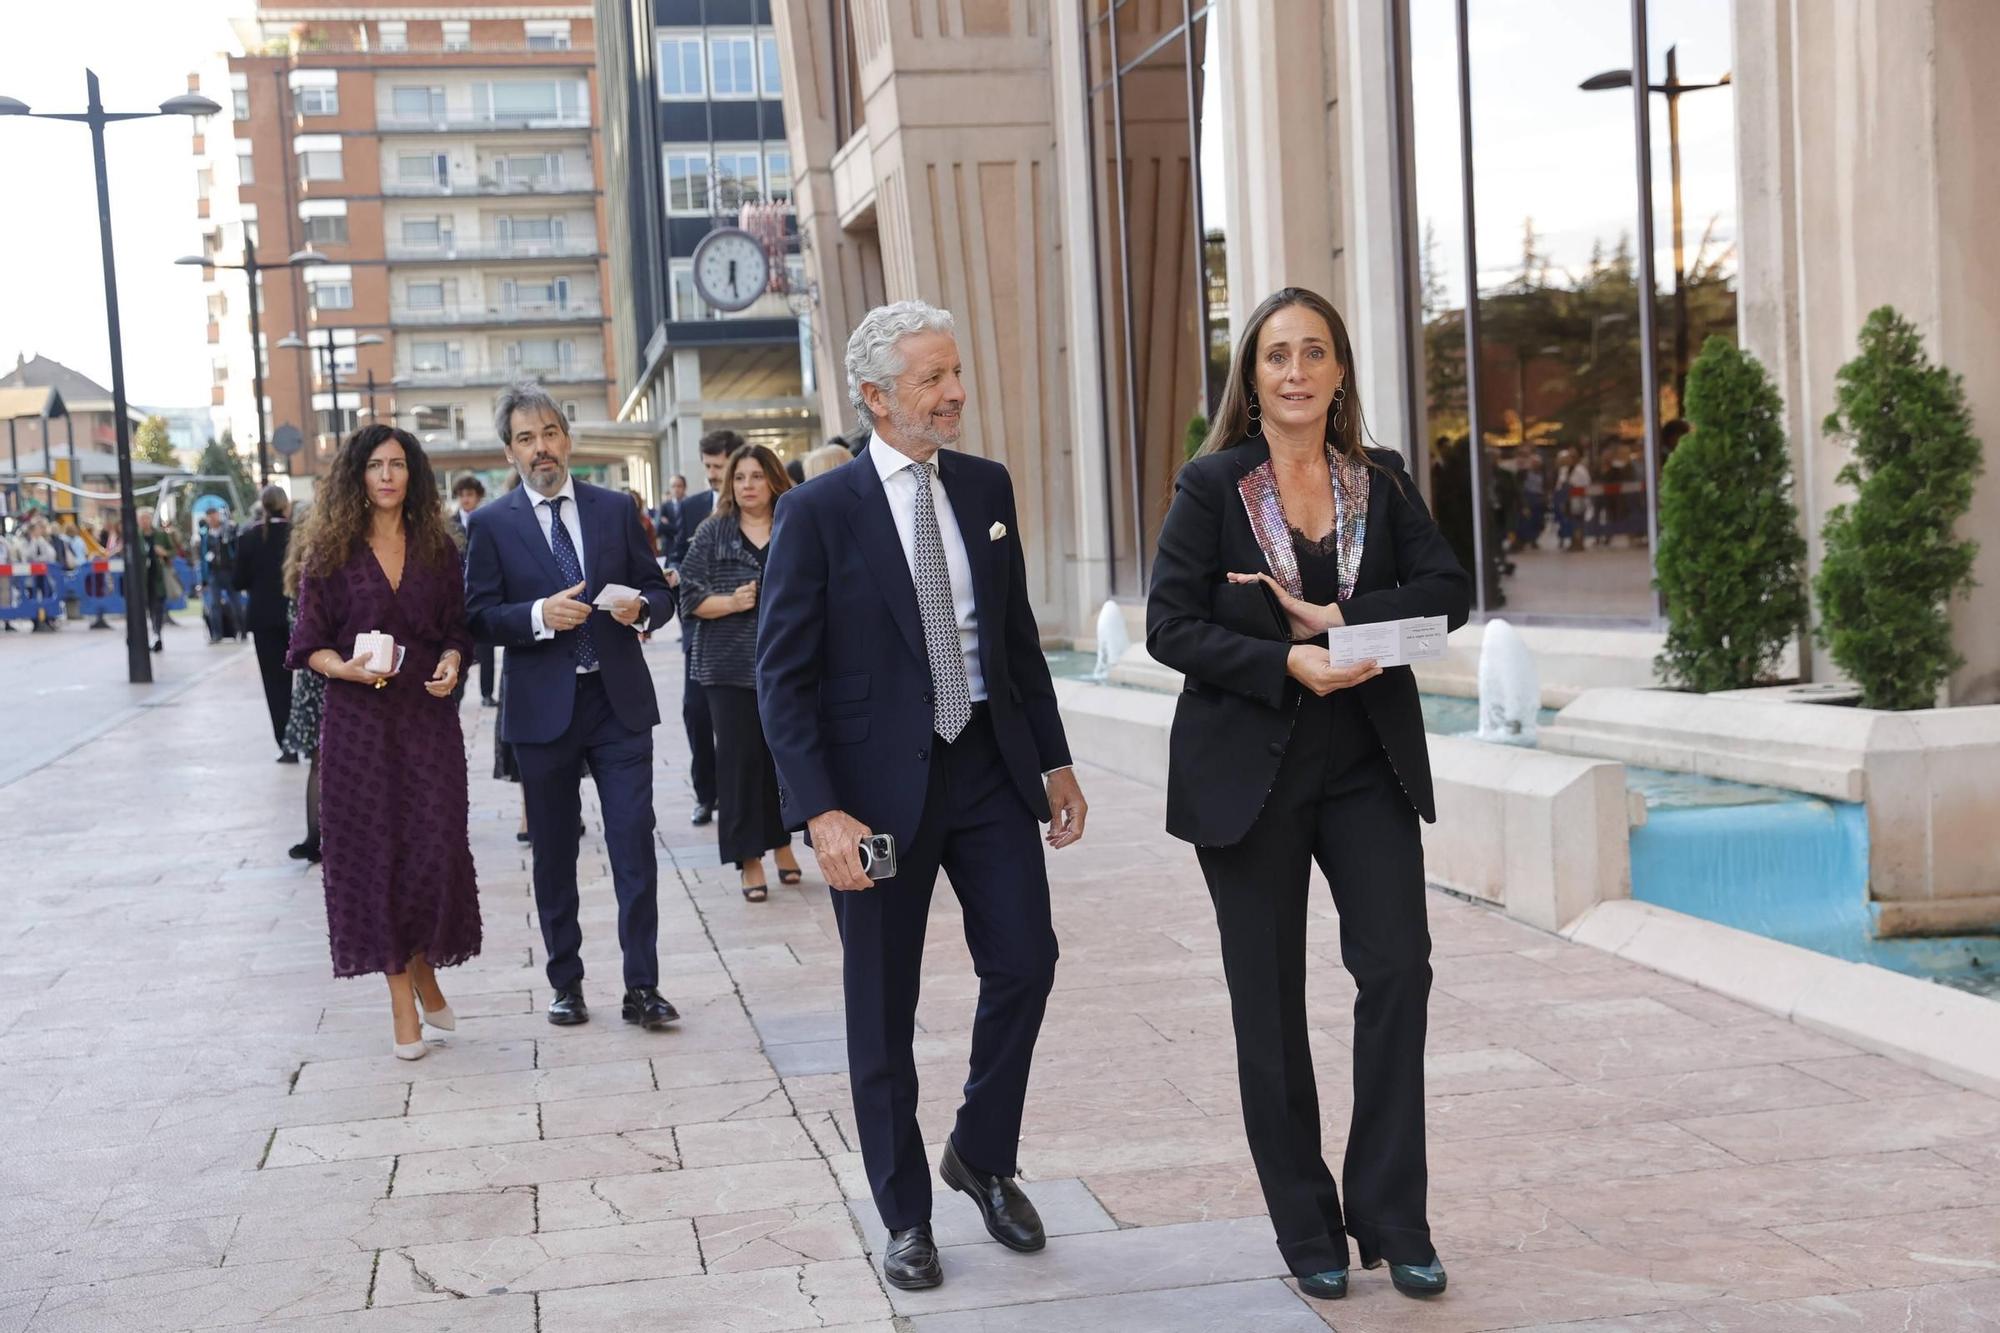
(1112, 639)
(1510, 689)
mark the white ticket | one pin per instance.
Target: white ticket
(611, 594)
(1388, 643)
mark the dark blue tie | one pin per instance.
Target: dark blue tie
(583, 646)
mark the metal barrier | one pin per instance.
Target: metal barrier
(41, 588)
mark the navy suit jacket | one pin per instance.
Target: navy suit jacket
(843, 678)
(692, 511)
(508, 566)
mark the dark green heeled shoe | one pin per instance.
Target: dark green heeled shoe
(1413, 1279)
(1328, 1286)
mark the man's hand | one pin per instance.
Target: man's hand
(628, 611)
(673, 578)
(566, 609)
(1311, 667)
(836, 841)
(1066, 808)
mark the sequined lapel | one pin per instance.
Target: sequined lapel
(1261, 503)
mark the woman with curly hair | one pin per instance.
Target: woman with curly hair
(400, 894)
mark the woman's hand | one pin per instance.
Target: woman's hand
(1307, 618)
(1310, 666)
(356, 669)
(445, 679)
(745, 597)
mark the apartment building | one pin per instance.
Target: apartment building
(442, 164)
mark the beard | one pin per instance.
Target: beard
(922, 428)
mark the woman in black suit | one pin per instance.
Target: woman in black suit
(260, 571)
(1282, 527)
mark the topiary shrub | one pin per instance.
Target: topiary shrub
(1892, 563)
(1732, 560)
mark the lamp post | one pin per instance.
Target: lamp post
(1674, 90)
(253, 267)
(292, 341)
(138, 660)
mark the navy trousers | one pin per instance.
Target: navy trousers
(621, 763)
(979, 831)
(700, 731)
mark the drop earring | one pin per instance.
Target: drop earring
(1340, 408)
(1256, 417)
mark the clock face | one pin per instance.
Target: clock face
(730, 269)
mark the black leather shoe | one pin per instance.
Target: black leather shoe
(287, 757)
(704, 812)
(568, 1008)
(911, 1261)
(651, 1010)
(1328, 1286)
(1412, 1279)
(1010, 1218)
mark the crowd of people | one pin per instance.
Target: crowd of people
(862, 665)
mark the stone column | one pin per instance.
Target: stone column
(683, 383)
(1866, 181)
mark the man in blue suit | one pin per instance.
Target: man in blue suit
(576, 687)
(716, 446)
(903, 690)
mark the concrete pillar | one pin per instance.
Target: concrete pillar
(684, 380)
(1866, 181)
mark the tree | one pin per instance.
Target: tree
(1731, 559)
(152, 445)
(1892, 563)
(220, 459)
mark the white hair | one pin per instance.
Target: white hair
(872, 357)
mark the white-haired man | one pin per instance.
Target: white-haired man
(903, 690)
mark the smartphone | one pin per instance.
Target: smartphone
(878, 855)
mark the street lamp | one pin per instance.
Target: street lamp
(292, 341)
(138, 661)
(1674, 90)
(252, 266)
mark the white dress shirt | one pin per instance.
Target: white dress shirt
(543, 511)
(901, 485)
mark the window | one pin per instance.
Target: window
(320, 164)
(525, 100)
(435, 356)
(687, 301)
(541, 356)
(680, 67)
(552, 294)
(317, 101)
(426, 233)
(687, 183)
(529, 171)
(439, 422)
(342, 424)
(393, 36)
(548, 34)
(531, 233)
(204, 183)
(778, 175)
(240, 102)
(770, 70)
(426, 169)
(418, 104)
(570, 413)
(457, 35)
(333, 295)
(424, 295)
(326, 230)
(732, 65)
(246, 170)
(738, 178)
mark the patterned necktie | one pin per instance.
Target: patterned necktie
(583, 647)
(952, 706)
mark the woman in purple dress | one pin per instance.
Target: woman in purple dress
(400, 896)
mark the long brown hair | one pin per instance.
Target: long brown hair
(775, 476)
(1232, 423)
(342, 510)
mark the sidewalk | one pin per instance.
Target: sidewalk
(199, 1128)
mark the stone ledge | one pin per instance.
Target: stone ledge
(1948, 1033)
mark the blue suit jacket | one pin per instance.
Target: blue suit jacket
(843, 679)
(508, 566)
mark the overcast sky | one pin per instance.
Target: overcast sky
(51, 275)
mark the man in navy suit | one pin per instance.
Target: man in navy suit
(716, 446)
(903, 690)
(577, 687)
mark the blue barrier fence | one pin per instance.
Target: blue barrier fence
(32, 591)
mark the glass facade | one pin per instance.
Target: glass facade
(1528, 105)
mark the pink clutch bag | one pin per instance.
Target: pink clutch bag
(381, 650)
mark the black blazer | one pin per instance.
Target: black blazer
(1235, 714)
(260, 571)
(843, 677)
(509, 566)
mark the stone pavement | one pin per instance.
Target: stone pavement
(199, 1128)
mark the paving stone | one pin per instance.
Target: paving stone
(527, 1163)
(810, 1296)
(391, 1136)
(545, 1261)
(518, 1088)
(209, 1297)
(375, 1224)
(1269, 1306)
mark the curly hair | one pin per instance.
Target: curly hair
(342, 511)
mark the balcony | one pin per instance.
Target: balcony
(520, 312)
(581, 248)
(390, 122)
(484, 186)
(574, 371)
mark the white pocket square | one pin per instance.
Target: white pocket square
(996, 532)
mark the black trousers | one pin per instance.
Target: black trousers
(700, 726)
(749, 823)
(980, 832)
(1336, 800)
(482, 653)
(621, 763)
(271, 645)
